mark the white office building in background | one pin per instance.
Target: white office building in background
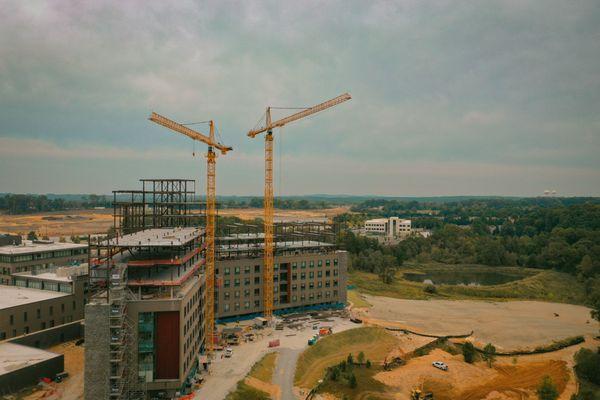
(390, 227)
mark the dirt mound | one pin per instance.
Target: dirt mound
(474, 381)
(522, 379)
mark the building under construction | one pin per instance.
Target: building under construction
(309, 272)
(145, 325)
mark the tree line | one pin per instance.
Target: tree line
(29, 203)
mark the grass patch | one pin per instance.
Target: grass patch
(364, 383)
(246, 392)
(357, 300)
(544, 285)
(263, 369)
(374, 342)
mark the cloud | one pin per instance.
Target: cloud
(433, 83)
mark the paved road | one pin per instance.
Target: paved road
(283, 376)
(226, 372)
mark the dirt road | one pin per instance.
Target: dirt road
(508, 325)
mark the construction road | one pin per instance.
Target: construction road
(227, 372)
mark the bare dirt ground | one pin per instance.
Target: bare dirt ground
(72, 387)
(83, 222)
(504, 380)
(285, 215)
(508, 325)
(60, 223)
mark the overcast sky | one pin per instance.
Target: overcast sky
(449, 97)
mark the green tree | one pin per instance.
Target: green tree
(361, 357)
(32, 236)
(350, 359)
(547, 389)
(62, 239)
(352, 381)
(368, 364)
(586, 266)
(587, 365)
(468, 351)
(489, 354)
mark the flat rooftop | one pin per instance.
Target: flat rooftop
(15, 356)
(158, 237)
(30, 247)
(12, 296)
(45, 276)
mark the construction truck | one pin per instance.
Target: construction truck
(417, 394)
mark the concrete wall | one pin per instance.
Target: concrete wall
(50, 337)
(29, 376)
(97, 354)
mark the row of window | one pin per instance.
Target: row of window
(303, 264)
(237, 282)
(38, 313)
(44, 285)
(42, 256)
(311, 296)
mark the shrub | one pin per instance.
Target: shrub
(489, 352)
(431, 289)
(547, 389)
(468, 351)
(361, 357)
(368, 363)
(587, 365)
(352, 381)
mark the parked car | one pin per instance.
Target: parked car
(440, 365)
(356, 320)
(228, 352)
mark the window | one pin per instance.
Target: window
(227, 271)
(246, 281)
(246, 292)
(311, 285)
(257, 280)
(303, 275)
(237, 294)
(320, 274)
(26, 330)
(294, 298)
(320, 263)
(312, 264)
(38, 313)
(257, 268)
(236, 282)
(62, 307)
(327, 262)
(303, 264)
(225, 307)
(246, 305)
(25, 316)
(311, 274)
(226, 283)
(237, 270)
(294, 265)
(74, 305)
(256, 303)
(335, 261)
(247, 269)
(12, 319)
(226, 295)
(257, 292)
(2, 335)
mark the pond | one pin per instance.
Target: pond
(474, 278)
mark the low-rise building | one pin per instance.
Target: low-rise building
(392, 227)
(39, 256)
(42, 301)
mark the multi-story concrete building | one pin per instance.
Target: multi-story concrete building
(307, 274)
(144, 331)
(42, 301)
(391, 227)
(38, 255)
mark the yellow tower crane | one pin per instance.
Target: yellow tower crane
(268, 194)
(211, 211)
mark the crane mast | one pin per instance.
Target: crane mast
(269, 259)
(211, 163)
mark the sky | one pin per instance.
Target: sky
(448, 97)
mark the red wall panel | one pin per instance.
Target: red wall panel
(166, 342)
